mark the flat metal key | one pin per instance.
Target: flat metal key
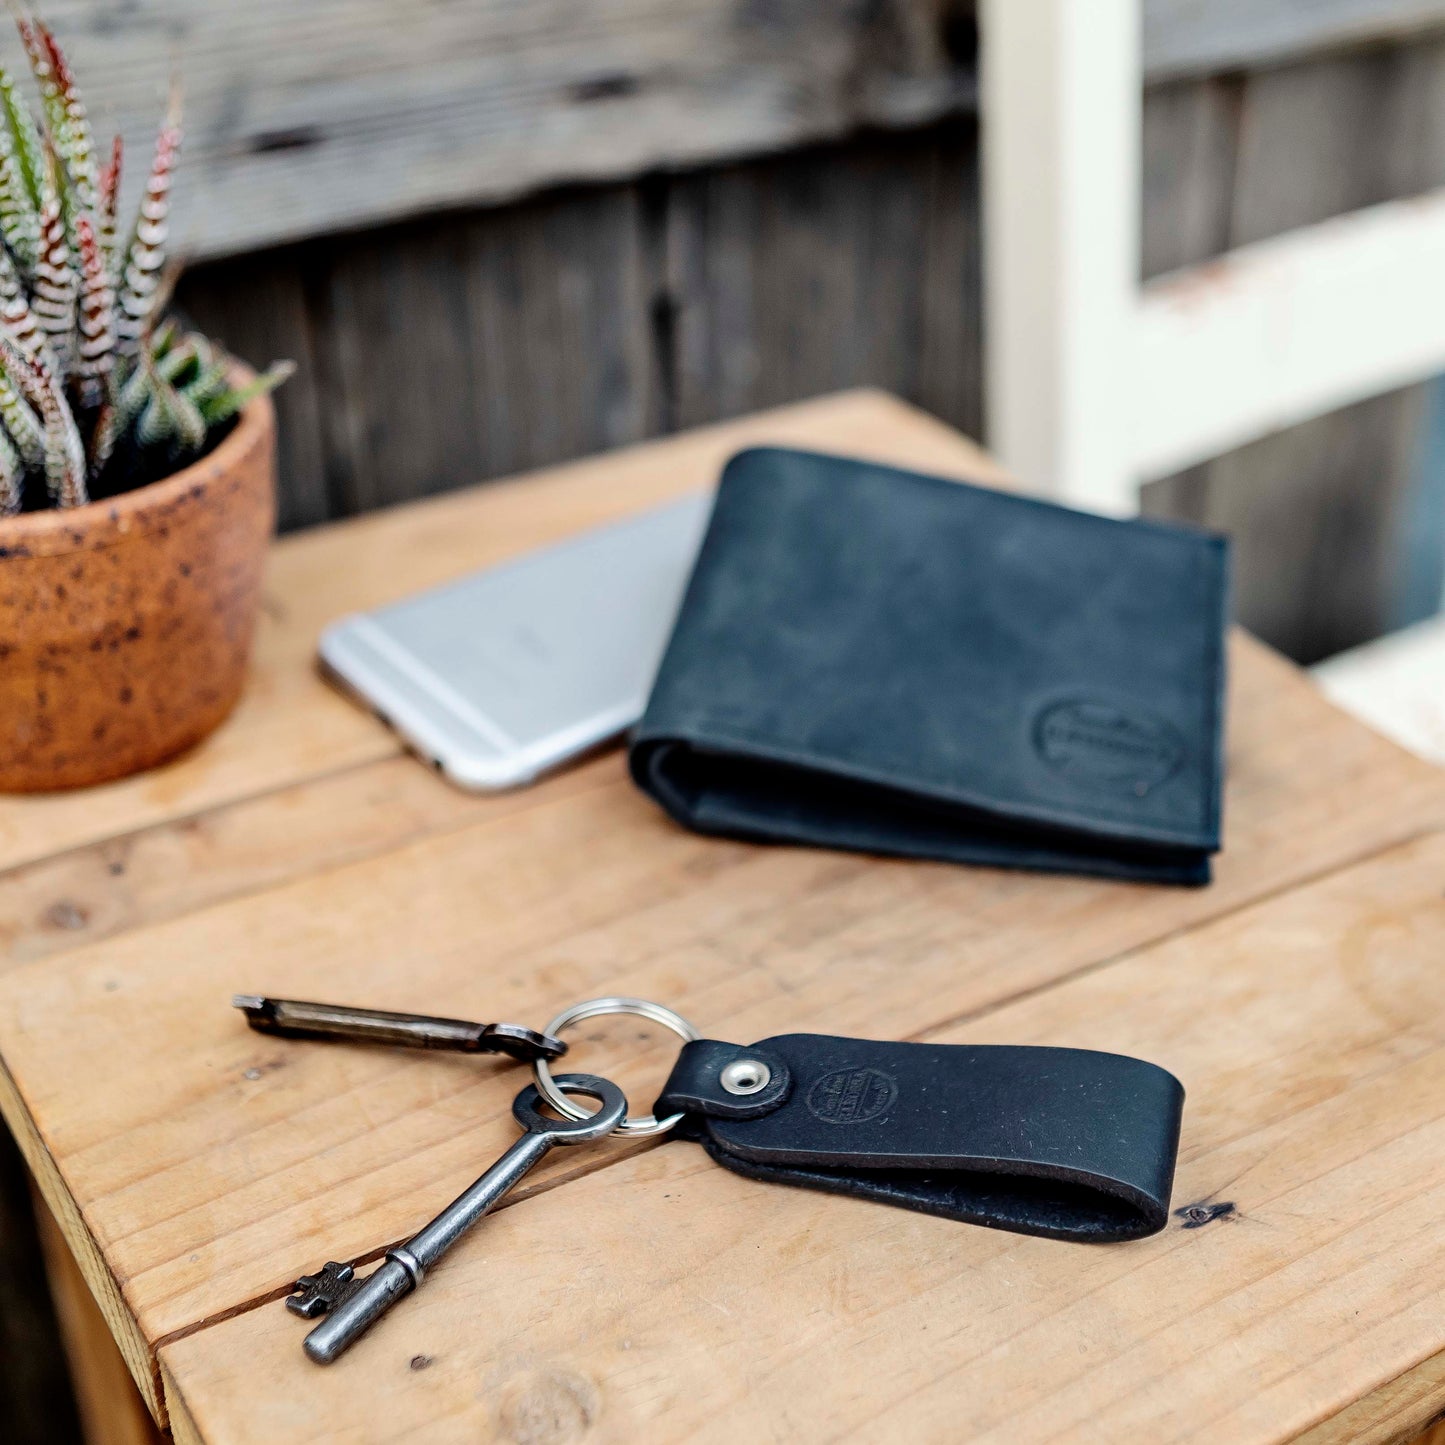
(292, 1018)
(352, 1305)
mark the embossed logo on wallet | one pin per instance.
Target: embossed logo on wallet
(851, 1096)
(1099, 742)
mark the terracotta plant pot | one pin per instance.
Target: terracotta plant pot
(125, 625)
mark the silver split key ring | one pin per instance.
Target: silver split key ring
(639, 1126)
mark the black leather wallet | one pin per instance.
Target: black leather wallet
(871, 659)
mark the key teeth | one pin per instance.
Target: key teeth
(314, 1295)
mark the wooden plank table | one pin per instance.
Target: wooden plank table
(639, 1292)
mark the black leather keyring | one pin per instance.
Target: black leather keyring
(1064, 1143)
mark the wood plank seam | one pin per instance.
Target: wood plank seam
(292, 107)
(181, 820)
(114, 852)
(1305, 880)
(591, 1164)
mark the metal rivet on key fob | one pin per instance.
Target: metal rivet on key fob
(352, 1306)
(746, 1076)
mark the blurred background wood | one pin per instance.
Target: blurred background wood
(304, 120)
(1319, 512)
(343, 113)
(469, 345)
(1195, 37)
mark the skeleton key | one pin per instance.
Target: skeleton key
(352, 1306)
(294, 1019)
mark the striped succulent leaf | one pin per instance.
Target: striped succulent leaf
(145, 257)
(15, 311)
(12, 477)
(107, 201)
(23, 426)
(169, 417)
(97, 387)
(65, 464)
(64, 460)
(52, 103)
(66, 125)
(19, 224)
(223, 406)
(71, 134)
(21, 169)
(56, 281)
(103, 437)
(96, 319)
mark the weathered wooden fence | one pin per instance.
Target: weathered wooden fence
(605, 255)
(466, 345)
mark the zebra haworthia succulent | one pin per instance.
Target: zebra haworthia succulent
(97, 390)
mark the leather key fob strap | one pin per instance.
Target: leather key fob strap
(1065, 1143)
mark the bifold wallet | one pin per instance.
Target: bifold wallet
(897, 664)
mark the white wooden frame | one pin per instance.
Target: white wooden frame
(1095, 383)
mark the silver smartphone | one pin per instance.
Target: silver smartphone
(502, 675)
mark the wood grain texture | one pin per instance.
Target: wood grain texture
(665, 1299)
(1391, 1414)
(1316, 514)
(1190, 145)
(213, 1167)
(1317, 511)
(486, 309)
(444, 352)
(469, 346)
(1196, 37)
(112, 1411)
(821, 270)
(341, 113)
(142, 877)
(46, 1179)
(291, 727)
(347, 113)
(264, 312)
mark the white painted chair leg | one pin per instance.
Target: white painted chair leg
(1062, 95)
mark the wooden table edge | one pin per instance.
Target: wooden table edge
(1399, 1412)
(140, 1357)
(182, 1425)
